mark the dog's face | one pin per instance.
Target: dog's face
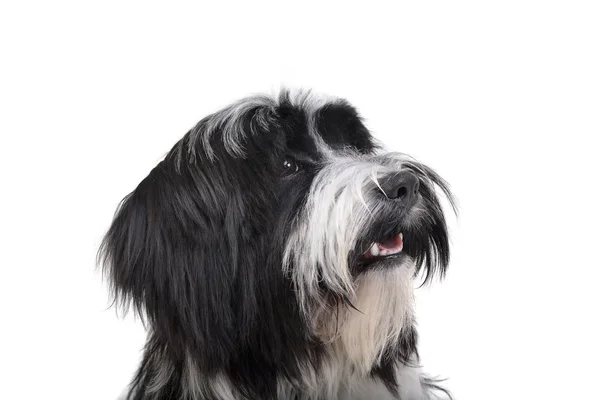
(269, 229)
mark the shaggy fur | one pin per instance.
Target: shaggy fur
(247, 252)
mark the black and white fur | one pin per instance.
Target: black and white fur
(244, 251)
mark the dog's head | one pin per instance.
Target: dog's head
(266, 220)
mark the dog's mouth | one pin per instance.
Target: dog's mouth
(385, 249)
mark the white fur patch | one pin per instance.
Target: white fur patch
(385, 301)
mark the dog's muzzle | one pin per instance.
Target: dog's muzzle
(402, 188)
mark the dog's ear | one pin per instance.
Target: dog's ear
(164, 257)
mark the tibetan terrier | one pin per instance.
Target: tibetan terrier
(272, 255)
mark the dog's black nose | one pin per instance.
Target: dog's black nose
(402, 187)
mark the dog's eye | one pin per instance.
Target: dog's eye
(290, 166)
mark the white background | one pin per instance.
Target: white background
(502, 98)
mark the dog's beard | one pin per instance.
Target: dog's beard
(359, 303)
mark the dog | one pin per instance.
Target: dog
(273, 253)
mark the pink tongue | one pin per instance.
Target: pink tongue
(392, 243)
